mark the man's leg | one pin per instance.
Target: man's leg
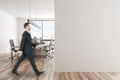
(32, 62)
(19, 62)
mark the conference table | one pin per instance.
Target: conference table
(39, 50)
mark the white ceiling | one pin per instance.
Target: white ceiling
(20, 8)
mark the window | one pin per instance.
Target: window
(35, 31)
(44, 30)
(48, 30)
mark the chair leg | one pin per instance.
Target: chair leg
(11, 55)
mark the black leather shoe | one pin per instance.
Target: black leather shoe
(15, 72)
(39, 73)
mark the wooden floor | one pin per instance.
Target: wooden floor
(26, 72)
(87, 76)
(25, 69)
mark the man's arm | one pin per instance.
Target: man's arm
(23, 41)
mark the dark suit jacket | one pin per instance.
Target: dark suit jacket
(26, 43)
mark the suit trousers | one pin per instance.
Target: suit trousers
(31, 60)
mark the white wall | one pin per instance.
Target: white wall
(8, 30)
(87, 35)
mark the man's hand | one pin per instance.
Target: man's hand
(37, 48)
(20, 52)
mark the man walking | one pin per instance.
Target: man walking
(26, 49)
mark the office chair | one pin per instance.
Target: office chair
(48, 48)
(14, 49)
(52, 46)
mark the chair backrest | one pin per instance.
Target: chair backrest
(12, 44)
(40, 40)
(51, 43)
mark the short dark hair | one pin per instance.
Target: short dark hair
(26, 24)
